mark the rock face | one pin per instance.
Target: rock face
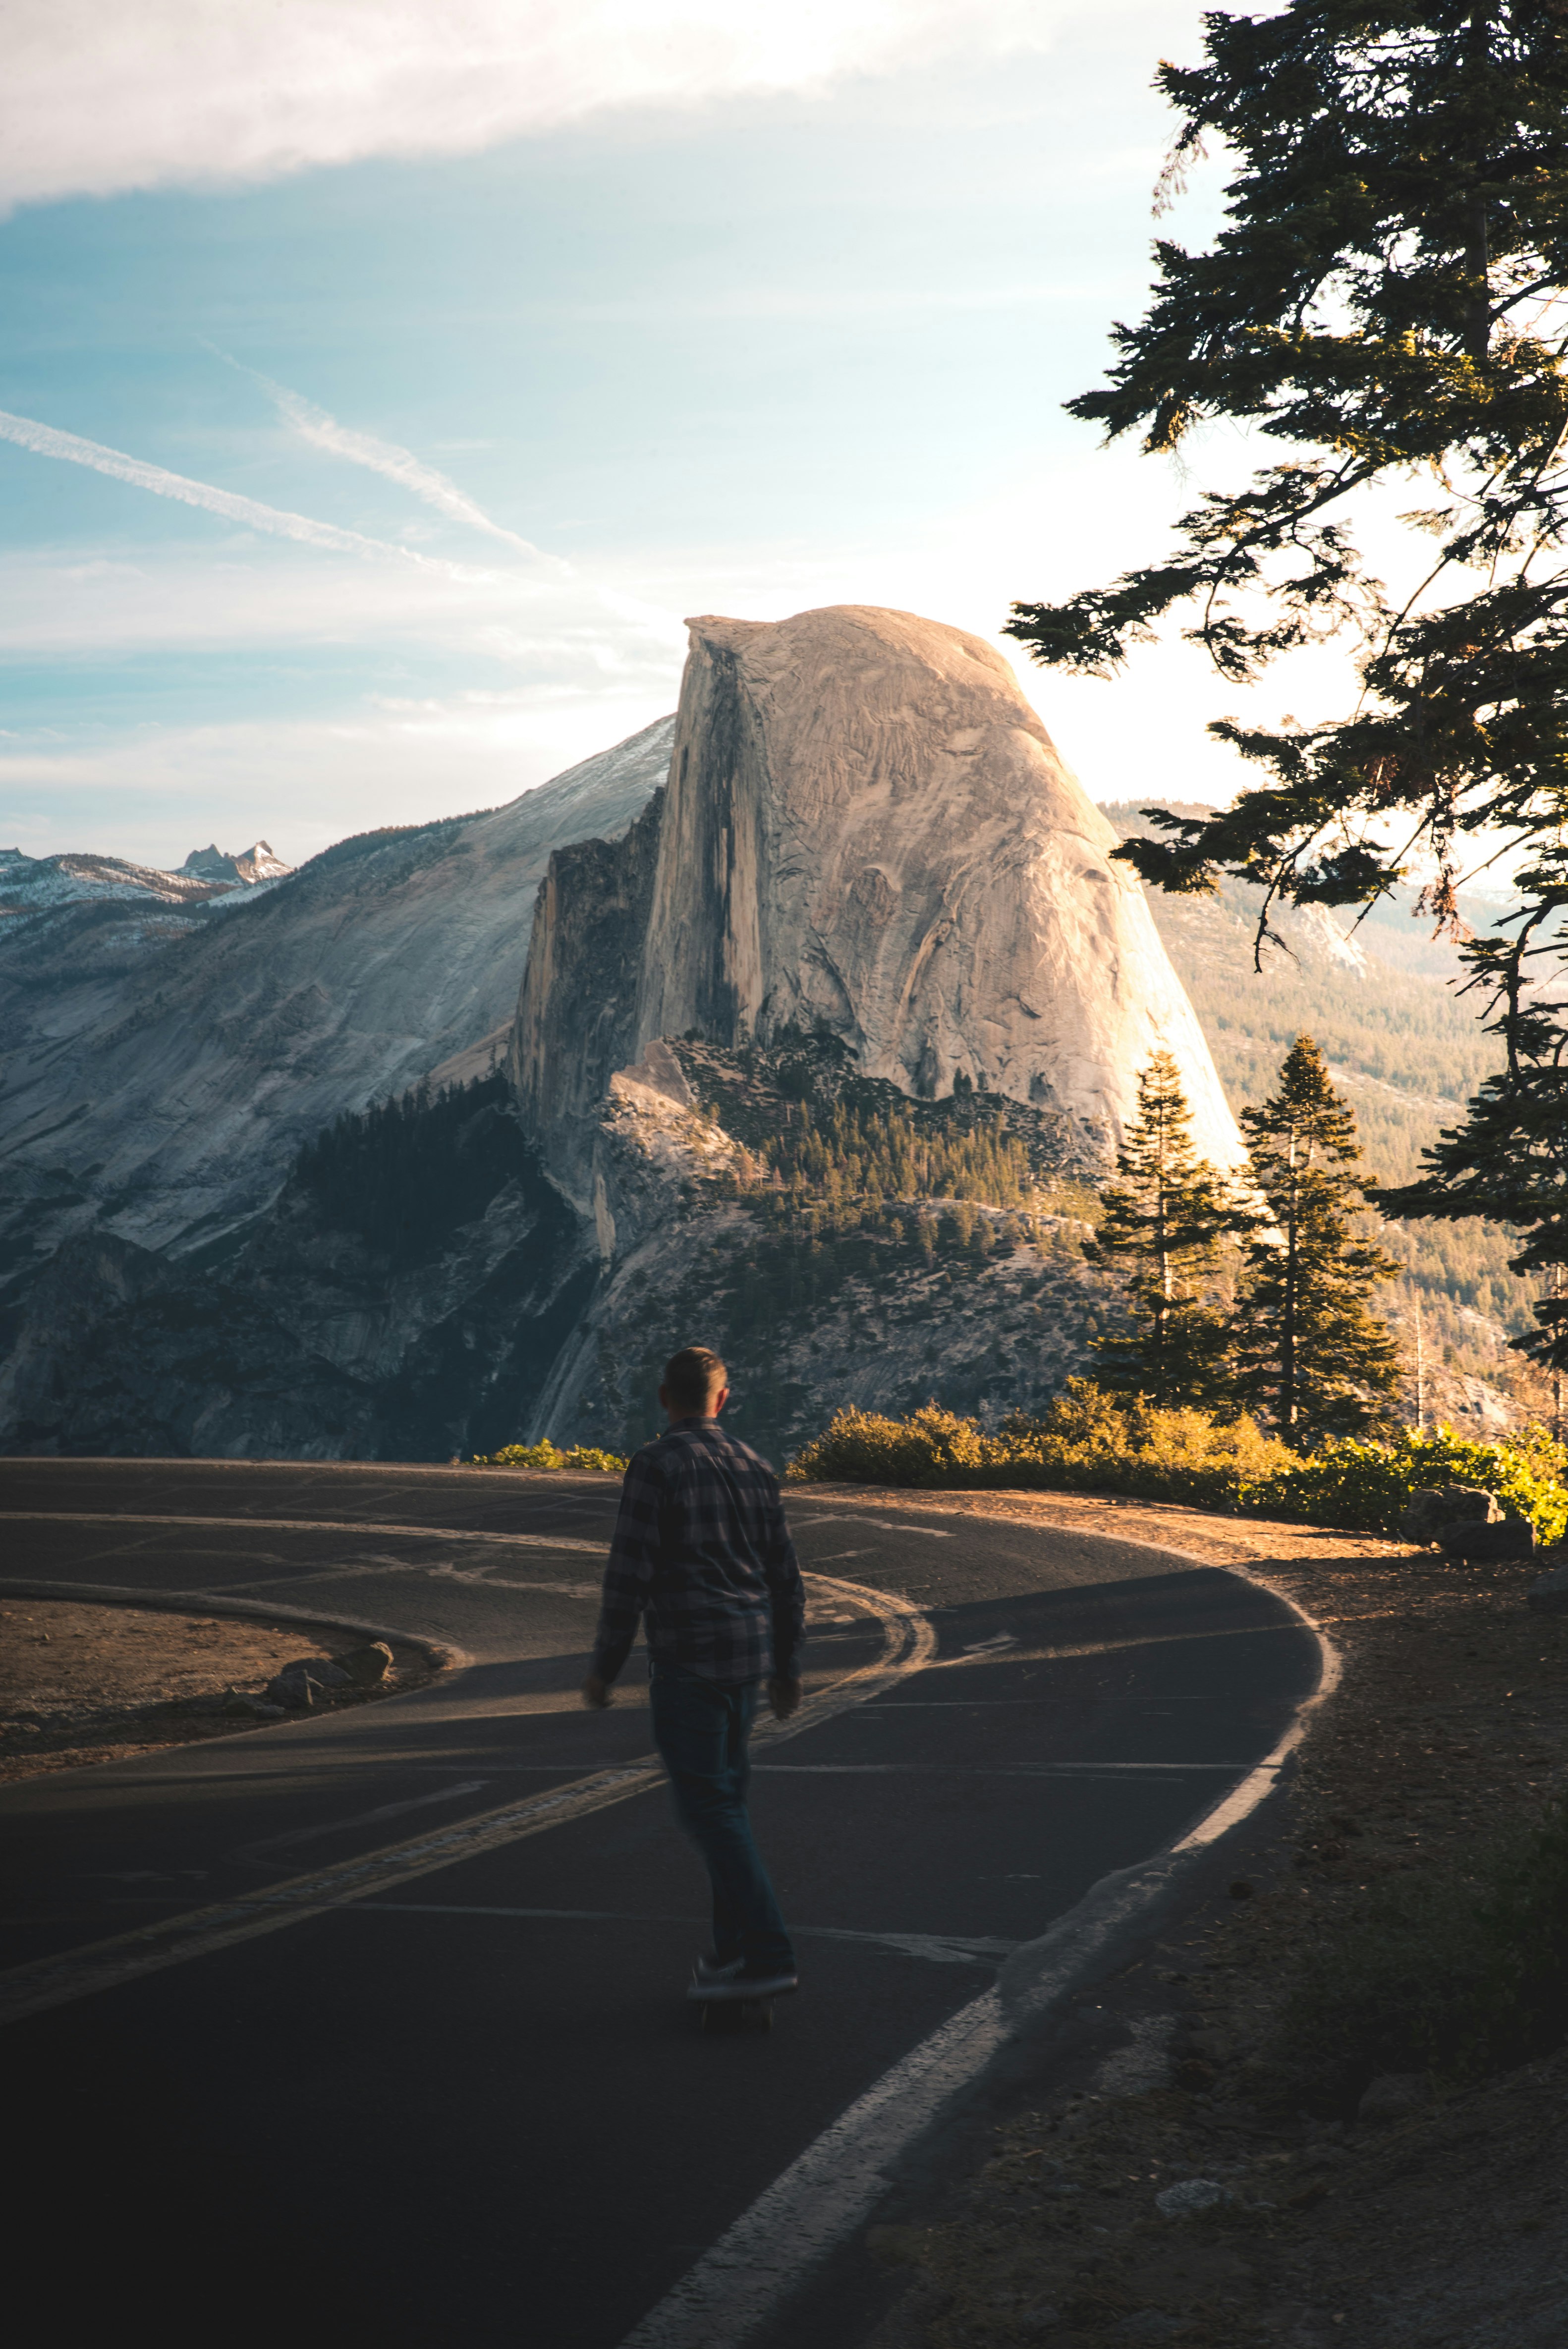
(852, 875)
(348, 1321)
(159, 1077)
(245, 866)
(572, 1029)
(868, 830)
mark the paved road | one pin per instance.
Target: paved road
(470, 2106)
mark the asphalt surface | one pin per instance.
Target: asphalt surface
(475, 2108)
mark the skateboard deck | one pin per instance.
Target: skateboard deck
(734, 2015)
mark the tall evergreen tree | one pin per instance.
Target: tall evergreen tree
(1384, 302)
(1510, 1160)
(1309, 1354)
(1164, 1220)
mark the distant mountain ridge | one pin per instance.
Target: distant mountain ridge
(250, 865)
(311, 1167)
(157, 1088)
(855, 848)
(39, 885)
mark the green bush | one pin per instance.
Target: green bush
(550, 1455)
(1091, 1438)
(1363, 1485)
(1458, 1970)
(1088, 1438)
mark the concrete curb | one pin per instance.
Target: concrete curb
(438, 1653)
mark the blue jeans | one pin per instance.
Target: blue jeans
(701, 1729)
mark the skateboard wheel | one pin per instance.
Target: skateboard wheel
(728, 2017)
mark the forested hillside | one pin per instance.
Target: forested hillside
(1405, 1049)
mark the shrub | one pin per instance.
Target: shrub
(1087, 1438)
(1363, 1485)
(1458, 1969)
(1091, 1437)
(550, 1455)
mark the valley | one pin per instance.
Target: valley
(807, 1025)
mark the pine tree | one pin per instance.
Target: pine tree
(1382, 306)
(1165, 1216)
(1309, 1354)
(1509, 1162)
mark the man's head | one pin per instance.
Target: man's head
(696, 1384)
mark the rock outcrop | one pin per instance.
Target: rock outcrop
(246, 867)
(160, 1074)
(852, 874)
(867, 831)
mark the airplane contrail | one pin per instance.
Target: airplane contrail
(396, 463)
(44, 440)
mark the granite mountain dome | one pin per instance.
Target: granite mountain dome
(868, 833)
(850, 889)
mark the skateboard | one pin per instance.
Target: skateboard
(731, 2016)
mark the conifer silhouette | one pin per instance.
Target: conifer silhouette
(1165, 1217)
(1308, 1354)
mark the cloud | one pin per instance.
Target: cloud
(98, 96)
(44, 440)
(577, 606)
(395, 463)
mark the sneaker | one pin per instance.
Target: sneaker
(707, 1971)
(735, 1982)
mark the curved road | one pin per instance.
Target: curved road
(452, 2093)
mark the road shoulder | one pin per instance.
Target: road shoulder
(1435, 2220)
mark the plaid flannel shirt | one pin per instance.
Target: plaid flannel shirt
(701, 1550)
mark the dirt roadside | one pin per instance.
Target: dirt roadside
(1442, 2225)
(89, 1682)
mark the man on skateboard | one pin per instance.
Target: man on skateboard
(702, 1554)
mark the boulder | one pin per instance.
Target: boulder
(1550, 1595)
(324, 1675)
(1394, 2095)
(299, 1683)
(1189, 2195)
(1429, 1513)
(364, 1666)
(1488, 1545)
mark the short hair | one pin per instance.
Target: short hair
(693, 1376)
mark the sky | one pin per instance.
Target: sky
(383, 384)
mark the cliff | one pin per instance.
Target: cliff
(158, 1078)
(866, 832)
(868, 898)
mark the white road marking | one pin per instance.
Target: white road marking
(1260, 1783)
(481, 1577)
(1003, 1769)
(989, 1647)
(931, 1533)
(364, 1529)
(823, 2195)
(939, 1948)
(832, 2187)
(1050, 1655)
(908, 1643)
(359, 1819)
